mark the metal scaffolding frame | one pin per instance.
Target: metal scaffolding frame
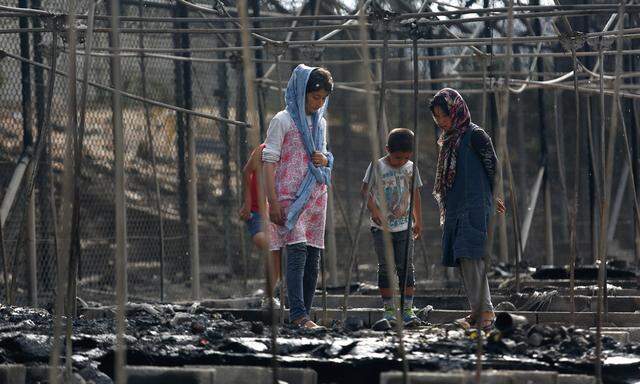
(413, 26)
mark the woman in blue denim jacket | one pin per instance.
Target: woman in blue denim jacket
(463, 188)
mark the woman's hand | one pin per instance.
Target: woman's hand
(245, 212)
(276, 213)
(500, 207)
(319, 159)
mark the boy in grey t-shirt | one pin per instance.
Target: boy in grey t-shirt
(394, 172)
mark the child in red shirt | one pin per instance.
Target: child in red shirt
(250, 212)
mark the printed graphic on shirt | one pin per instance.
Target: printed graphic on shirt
(396, 185)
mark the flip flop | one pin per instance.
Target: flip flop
(466, 322)
(307, 323)
(488, 324)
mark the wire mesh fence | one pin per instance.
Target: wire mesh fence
(156, 158)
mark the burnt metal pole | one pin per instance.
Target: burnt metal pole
(120, 219)
(42, 204)
(152, 152)
(54, 358)
(548, 234)
(181, 144)
(352, 262)
(27, 128)
(249, 80)
(227, 195)
(69, 189)
(76, 130)
(503, 122)
(573, 42)
(573, 233)
(258, 55)
(409, 248)
(192, 174)
(374, 142)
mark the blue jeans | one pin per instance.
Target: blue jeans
(302, 276)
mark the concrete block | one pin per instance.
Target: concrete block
(634, 332)
(576, 379)
(298, 375)
(230, 374)
(365, 314)
(12, 374)
(40, 373)
(468, 377)
(583, 319)
(249, 314)
(170, 375)
(245, 302)
(561, 303)
(36, 373)
(240, 374)
(623, 319)
(619, 304)
(621, 337)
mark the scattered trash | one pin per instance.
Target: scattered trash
(353, 323)
(169, 335)
(423, 314)
(508, 322)
(583, 272)
(381, 325)
(181, 318)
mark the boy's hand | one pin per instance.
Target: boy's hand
(500, 207)
(245, 212)
(417, 231)
(376, 216)
(319, 159)
(276, 213)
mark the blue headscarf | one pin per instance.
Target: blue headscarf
(313, 139)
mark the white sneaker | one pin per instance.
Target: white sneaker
(264, 304)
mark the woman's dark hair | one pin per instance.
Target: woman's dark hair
(320, 78)
(439, 101)
(400, 140)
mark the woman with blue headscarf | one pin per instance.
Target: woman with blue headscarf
(297, 170)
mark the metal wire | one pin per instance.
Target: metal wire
(130, 95)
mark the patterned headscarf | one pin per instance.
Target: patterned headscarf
(449, 142)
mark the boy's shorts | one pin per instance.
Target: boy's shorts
(399, 243)
(254, 224)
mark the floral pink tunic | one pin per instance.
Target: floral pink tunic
(291, 170)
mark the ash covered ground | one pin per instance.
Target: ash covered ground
(175, 335)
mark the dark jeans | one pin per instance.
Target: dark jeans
(399, 240)
(302, 276)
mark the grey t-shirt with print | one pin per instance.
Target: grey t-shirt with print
(396, 188)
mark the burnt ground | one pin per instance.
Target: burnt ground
(175, 335)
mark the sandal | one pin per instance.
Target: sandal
(466, 322)
(487, 322)
(306, 323)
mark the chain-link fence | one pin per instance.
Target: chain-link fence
(156, 156)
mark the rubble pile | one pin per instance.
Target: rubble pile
(175, 335)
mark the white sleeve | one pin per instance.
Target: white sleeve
(418, 179)
(323, 126)
(278, 127)
(367, 175)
